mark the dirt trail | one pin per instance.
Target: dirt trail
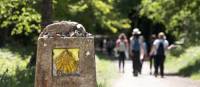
(146, 80)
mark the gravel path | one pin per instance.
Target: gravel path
(127, 79)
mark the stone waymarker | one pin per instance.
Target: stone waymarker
(65, 56)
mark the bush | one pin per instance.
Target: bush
(177, 51)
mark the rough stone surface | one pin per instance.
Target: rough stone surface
(59, 35)
(65, 29)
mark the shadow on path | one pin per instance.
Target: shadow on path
(172, 74)
(189, 70)
(146, 80)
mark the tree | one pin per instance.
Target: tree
(180, 17)
(46, 12)
(19, 16)
(20, 23)
(98, 16)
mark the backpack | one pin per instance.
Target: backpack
(161, 50)
(136, 45)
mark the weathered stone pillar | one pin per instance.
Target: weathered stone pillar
(65, 57)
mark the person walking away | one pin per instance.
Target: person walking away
(122, 46)
(144, 55)
(136, 48)
(110, 46)
(151, 57)
(104, 45)
(159, 47)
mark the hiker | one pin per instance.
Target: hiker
(144, 55)
(109, 47)
(151, 57)
(159, 47)
(136, 49)
(101, 46)
(121, 46)
(104, 45)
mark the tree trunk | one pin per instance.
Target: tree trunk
(46, 11)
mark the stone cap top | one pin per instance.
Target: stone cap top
(64, 29)
(45, 37)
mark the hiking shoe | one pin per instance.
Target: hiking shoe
(155, 75)
(150, 73)
(162, 76)
(135, 74)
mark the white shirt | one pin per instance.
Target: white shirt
(157, 42)
(122, 46)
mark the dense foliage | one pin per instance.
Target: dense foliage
(19, 16)
(98, 16)
(104, 16)
(181, 17)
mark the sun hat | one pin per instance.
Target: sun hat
(136, 31)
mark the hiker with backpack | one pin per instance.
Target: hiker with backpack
(159, 48)
(136, 49)
(122, 46)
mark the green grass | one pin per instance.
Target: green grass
(187, 64)
(13, 71)
(196, 76)
(106, 71)
(10, 61)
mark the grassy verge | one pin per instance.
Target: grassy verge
(13, 71)
(187, 64)
(106, 71)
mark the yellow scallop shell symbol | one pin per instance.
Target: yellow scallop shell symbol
(66, 60)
